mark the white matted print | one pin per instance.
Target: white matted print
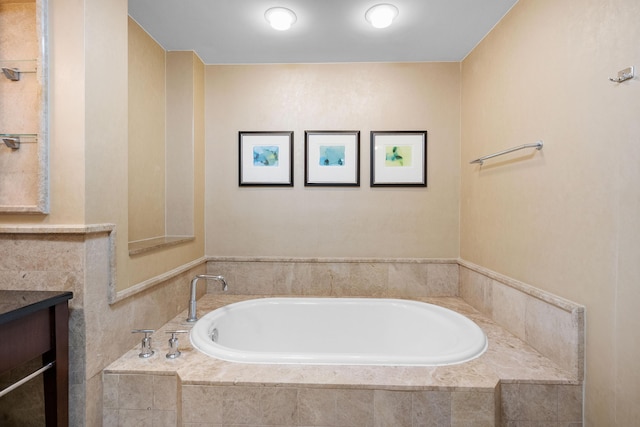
(332, 158)
(399, 158)
(266, 158)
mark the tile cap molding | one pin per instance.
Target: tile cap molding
(57, 229)
(332, 260)
(547, 297)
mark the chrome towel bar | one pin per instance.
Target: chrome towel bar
(537, 145)
(26, 379)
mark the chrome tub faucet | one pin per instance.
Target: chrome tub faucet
(191, 317)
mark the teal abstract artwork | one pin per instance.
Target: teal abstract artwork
(265, 155)
(332, 155)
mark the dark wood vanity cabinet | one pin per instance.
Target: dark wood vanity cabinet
(33, 324)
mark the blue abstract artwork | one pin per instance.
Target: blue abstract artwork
(332, 155)
(265, 155)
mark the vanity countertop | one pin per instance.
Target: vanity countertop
(16, 304)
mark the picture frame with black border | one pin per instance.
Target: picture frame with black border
(265, 158)
(332, 158)
(399, 158)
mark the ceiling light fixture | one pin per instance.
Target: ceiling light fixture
(280, 18)
(381, 15)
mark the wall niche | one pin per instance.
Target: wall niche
(23, 107)
(164, 101)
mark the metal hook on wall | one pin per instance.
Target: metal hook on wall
(12, 74)
(12, 142)
(624, 75)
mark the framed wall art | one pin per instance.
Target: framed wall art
(332, 158)
(266, 158)
(399, 158)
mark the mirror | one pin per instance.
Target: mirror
(23, 107)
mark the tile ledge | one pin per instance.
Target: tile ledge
(545, 296)
(57, 229)
(148, 245)
(332, 260)
(115, 296)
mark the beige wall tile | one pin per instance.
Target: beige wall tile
(476, 289)
(381, 278)
(392, 408)
(165, 392)
(510, 398)
(472, 406)
(552, 331)
(408, 279)
(538, 402)
(135, 418)
(361, 279)
(316, 407)
(312, 279)
(241, 405)
(570, 403)
(541, 403)
(77, 404)
(109, 418)
(431, 409)
(443, 279)
(354, 408)
(509, 308)
(110, 384)
(279, 406)
(202, 404)
(164, 419)
(135, 391)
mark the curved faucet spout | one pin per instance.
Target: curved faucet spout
(191, 317)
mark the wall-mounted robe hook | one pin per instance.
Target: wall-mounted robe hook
(12, 142)
(624, 75)
(12, 74)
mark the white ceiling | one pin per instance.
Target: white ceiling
(235, 31)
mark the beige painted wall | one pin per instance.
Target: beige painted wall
(182, 69)
(564, 219)
(147, 118)
(332, 222)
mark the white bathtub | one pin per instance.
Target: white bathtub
(343, 331)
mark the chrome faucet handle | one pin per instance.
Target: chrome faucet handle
(173, 344)
(145, 351)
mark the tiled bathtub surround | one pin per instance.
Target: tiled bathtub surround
(212, 392)
(550, 324)
(397, 278)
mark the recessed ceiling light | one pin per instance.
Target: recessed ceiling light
(381, 15)
(280, 18)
